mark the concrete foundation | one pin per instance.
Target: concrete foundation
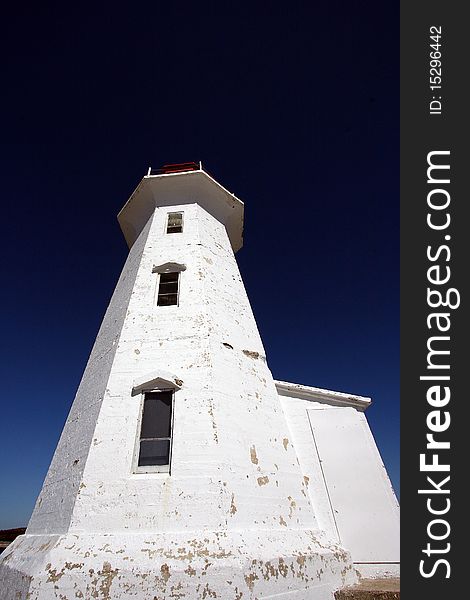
(229, 566)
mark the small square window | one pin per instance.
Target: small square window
(168, 289)
(175, 223)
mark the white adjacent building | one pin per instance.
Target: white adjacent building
(184, 470)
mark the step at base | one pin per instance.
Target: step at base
(371, 589)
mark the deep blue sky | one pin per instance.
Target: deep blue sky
(293, 107)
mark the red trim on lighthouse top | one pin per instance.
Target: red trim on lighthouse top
(176, 168)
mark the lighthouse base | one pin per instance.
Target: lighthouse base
(157, 566)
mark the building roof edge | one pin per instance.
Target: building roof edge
(306, 392)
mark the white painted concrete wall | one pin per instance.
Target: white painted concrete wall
(224, 396)
(55, 504)
(348, 484)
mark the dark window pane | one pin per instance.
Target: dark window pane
(154, 452)
(174, 219)
(167, 277)
(170, 300)
(156, 420)
(175, 223)
(168, 289)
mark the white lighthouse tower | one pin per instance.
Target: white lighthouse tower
(184, 470)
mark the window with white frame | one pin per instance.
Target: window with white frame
(175, 222)
(168, 289)
(156, 428)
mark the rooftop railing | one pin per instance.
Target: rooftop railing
(176, 168)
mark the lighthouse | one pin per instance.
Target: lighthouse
(184, 469)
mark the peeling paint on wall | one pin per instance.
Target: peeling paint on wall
(254, 457)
